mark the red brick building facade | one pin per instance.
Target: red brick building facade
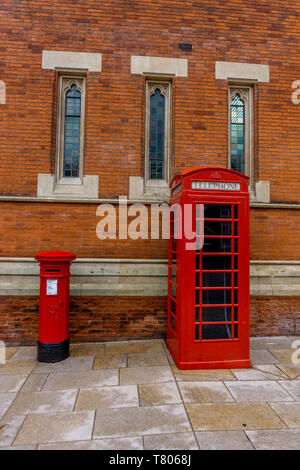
(200, 53)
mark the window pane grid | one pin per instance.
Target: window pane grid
(216, 288)
(237, 134)
(157, 135)
(72, 132)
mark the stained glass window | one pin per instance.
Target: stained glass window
(72, 132)
(157, 136)
(237, 134)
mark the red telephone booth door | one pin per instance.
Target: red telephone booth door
(208, 321)
(217, 334)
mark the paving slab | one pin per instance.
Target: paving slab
(143, 375)
(223, 440)
(181, 441)
(273, 369)
(107, 397)
(152, 358)
(25, 353)
(11, 383)
(19, 448)
(43, 402)
(9, 352)
(203, 374)
(284, 439)
(255, 374)
(81, 379)
(283, 355)
(9, 426)
(270, 342)
(56, 427)
(6, 400)
(110, 361)
(159, 394)
(169, 355)
(292, 387)
(142, 399)
(34, 383)
(262, 356)
(232, 416)
(17, 367)
(68, 365)
(87, 349)
(204, 392)
(289, 413)
(132, 347)
(292, 371)
(121, 443)
(125, 422)
(257, 391)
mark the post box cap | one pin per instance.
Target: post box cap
(55, 256)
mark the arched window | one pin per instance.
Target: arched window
(157, 135)
(237, 134)
(70, 128)
(72, 132)
(157, 132)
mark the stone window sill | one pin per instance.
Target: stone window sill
(152, 191)
(87, 187)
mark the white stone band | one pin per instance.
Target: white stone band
(72, 60)
(138, 277)
(159, 65)
(242, 71)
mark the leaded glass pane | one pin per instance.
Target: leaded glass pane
(237, 134)
(157, 136)
(72, 132)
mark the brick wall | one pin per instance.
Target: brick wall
(258, 32)
(91, 318)
(121, 318)
(36, 227)
(263, 32)
(274, 316)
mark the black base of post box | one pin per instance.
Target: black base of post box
(53, 352)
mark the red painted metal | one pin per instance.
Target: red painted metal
(54, 305)
(208, 288)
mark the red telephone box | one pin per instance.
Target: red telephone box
(208, 284)
(53, 344)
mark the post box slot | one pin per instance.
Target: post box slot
(52, 270)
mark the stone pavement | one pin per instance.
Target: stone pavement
(131, 396)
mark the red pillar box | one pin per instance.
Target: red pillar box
(53, 343)
(208, 288)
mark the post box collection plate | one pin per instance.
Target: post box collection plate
(51, 288)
